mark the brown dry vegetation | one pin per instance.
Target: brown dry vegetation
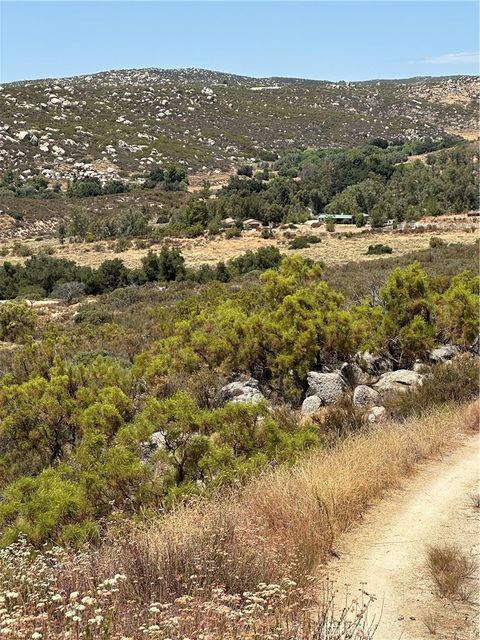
(452, 570)
(237, 566)
(284, 523)
(334, 249)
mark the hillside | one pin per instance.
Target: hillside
(118, 123)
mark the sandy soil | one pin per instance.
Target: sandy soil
(386, 555)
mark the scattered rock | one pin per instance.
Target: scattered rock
(363, 396)
(376, 413)
(443, 354)
(398, 381)
(311, 405)
(328, 387)
(23, 135)
(373, 364)
(475, 346)
(353, 374)
(418, 366)
(155, 443)
(242, 390)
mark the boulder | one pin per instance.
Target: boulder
(23, 135)
(353, 374)
(443, 354)
(311, 405)
(376, 413)
(155, 443)
(373, 364)
(398, 381)
(328, 387)
(242, 390)
(418, 366)
(363, 396)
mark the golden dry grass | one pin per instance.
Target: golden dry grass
(222, 569)
(452, 570)
(285, 522)
(333, 249)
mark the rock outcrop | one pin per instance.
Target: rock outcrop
(242, 390)
(443, 354)
(372, 363)
(399, 380)
(311, 405)
(376, 413)
(327, 387)
(364, 396)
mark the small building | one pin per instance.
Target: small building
(251, 223)
(339, 218)
(228, 222)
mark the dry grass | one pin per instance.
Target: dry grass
(234, 567)
(334, 248)
(475, 500)
(285, 522)
(452, 571)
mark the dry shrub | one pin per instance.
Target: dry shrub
(340, 419)
(236, 566)
(59, 595)
(455, 381)
(451, 570)
(284, 522)
(475, 500)
(470, 417)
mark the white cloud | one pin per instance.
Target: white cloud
(455, 58)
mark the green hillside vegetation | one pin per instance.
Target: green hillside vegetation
(43, 275)
(373, 183)
(79, 400)
(206, 119)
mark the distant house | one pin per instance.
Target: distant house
(473, 214)
(251, 223)
(339, 218)
(228, 222)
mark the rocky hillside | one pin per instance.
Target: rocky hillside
(118, 123)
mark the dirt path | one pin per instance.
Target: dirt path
(385, 555)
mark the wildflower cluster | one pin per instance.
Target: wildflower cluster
(55, 594)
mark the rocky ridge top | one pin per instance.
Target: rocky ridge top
(117, 124)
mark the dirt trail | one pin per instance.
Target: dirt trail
(385, 555)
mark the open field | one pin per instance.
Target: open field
(346, 245)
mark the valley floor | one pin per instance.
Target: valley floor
(333, 249)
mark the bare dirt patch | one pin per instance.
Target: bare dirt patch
(387, 554)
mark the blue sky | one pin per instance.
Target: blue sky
(322, 40)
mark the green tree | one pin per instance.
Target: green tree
(17, 321)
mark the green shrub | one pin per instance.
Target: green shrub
(92, 315)
(17, 321)
(302, 242)
(21, 250)
(378, 249)
(232, 232)
(436, 242)
(330, 224)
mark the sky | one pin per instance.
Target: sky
(318, 40)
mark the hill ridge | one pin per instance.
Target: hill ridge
(121, 123)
